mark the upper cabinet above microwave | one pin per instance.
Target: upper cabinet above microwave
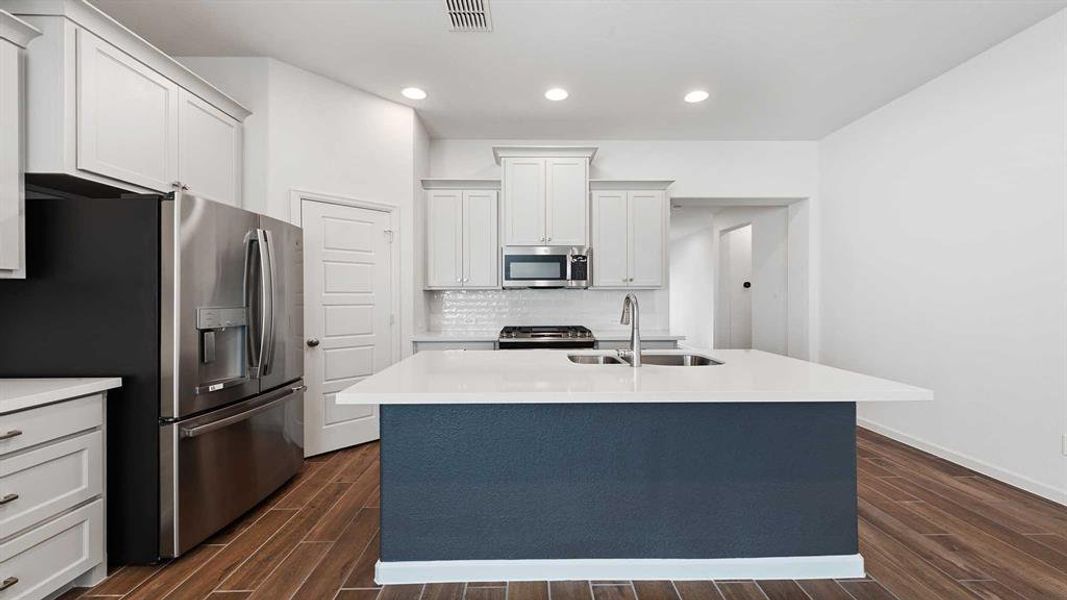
(107, 107)
(546, 195)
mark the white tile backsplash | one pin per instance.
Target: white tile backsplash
(480, 310)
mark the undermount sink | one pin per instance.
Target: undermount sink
(595, 359)
(670, 360)
(678, 360)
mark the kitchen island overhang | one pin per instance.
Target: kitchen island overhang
(610, 472)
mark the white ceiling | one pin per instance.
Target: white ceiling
(776, 69)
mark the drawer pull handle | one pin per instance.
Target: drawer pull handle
(8, 436)
(8, 498)
(10, 581)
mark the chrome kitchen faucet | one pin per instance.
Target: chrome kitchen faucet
(631, 315)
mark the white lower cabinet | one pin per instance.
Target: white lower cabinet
(629, 238)
(454, 345)
(49, 557)
(461, 247)
(52, 498)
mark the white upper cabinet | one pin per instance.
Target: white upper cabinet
(462, 249)
(209, 150)
(647, 238)
(546, 195)
(610, 235)
(14, 37)
(524, 201)
(566, 201)
(127, 117)
(107, 107)
(480, 249)
(629, 237)
(444, 247)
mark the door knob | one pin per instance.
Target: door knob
(312, 342)
(746, 284)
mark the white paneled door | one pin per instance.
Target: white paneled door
(350, 289)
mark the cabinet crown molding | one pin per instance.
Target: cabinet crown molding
(630, 184)
(100, 24)
(502, 152)
(440, 183)
(15, 30)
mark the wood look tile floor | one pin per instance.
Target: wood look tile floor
(929, 530)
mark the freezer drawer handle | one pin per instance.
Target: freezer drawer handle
(8, 498)
(191, 432)
(10, 581)
(10, 434)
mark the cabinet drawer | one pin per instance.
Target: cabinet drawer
(47, 423)
(46, 558)
(42, 483)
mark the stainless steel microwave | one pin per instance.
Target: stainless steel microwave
(546, 267)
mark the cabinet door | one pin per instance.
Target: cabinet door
(209, 150)
(480, 250)
(11, 200)
(648, 235)
(567, 201)
(444, 246)
(610, 235)
(524, 201)
(127, 117)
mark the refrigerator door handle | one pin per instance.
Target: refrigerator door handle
(269, 403)
(259, 296)
(267, 347)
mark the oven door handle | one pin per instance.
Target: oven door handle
(282, 395)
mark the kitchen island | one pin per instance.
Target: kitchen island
(527, 465)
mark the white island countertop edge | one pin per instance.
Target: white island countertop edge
(548, 377)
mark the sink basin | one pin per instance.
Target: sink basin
(670, 360)
(678, 360)
(594, 359)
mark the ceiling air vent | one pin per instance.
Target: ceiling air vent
(469, 15)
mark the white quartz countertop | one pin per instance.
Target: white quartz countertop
(606, 335)
(21, 394)
(547, 376)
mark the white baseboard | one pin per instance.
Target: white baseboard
(785, 567)
(1019, 481)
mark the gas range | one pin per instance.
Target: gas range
(545, 336)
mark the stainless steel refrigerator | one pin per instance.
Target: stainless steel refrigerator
(197, 305)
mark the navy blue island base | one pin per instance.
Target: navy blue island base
(513, 482)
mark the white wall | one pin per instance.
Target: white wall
(314, 134)
(943, 258)
(692, 267)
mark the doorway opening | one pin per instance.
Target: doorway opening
(739, 274)
(734, 312)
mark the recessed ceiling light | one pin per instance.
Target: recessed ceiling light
(556, 94)
(696, 96)
(414, 93)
